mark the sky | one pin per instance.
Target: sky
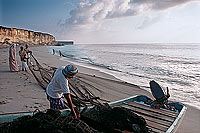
(107, 21)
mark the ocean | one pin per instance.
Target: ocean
(176, 66)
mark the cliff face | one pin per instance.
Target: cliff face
(22, 36)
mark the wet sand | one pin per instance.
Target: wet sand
(20, 92)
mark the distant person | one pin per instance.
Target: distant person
(12, 58)
(58, 88)
(23, 58)
(53, 51)
(60, 53)
(28, 53)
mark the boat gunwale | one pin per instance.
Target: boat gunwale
(172, 127)
(175, 123)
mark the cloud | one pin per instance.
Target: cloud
(89, 12)
(148, 20)
(89, 15)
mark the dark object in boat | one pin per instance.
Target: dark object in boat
(156, 90)
(118, 119)
(161, 98)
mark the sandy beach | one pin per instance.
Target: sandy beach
(20, 91)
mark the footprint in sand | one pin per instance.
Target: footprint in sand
(26, 106)
(34, 97)
(3, 102)
(21, 95)
(35, 106)
(18, 85)
(10, 98)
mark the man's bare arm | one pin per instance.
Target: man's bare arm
(69, 100)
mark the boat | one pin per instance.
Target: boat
(158, 120)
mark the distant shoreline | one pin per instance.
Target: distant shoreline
(135, 43)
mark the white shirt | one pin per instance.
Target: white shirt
(58, 85)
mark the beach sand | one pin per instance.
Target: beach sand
(20, 92)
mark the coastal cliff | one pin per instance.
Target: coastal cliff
(22, 36)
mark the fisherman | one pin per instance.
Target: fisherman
(23, 57)
(27, 49)
(28, 54)
(53, 51)
(12, 58)
(58, 88)
(60, 53)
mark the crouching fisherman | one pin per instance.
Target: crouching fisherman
(58, 88)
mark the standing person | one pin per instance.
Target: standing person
(60, 53)
(12, 58)
(28, 53)
(22, 54)
(58, 88)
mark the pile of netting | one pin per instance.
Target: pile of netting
(118, 119)
(50, 122)
(100, 119)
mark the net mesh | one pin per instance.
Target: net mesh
(81, 93)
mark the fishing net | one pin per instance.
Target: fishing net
(51, 121)
(81, 93)
(117, 119)
(100, 119)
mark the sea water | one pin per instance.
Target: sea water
(176, 66)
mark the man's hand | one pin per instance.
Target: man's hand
(69, 100)
(74, 114)
(78, 116)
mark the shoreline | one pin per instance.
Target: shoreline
(115, 74)
(191, 120)
(29, 95)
